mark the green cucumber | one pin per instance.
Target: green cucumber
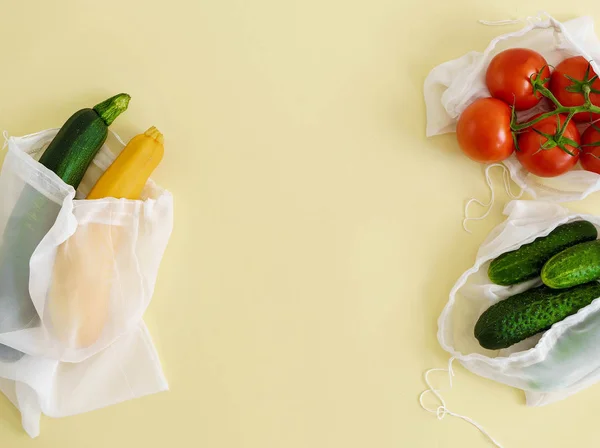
(528, 260)
(68, 155)
(573, 266)
(523, 315)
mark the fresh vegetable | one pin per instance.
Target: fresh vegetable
(128, 174)
(79, 139)
(68, 155)
(573, 266)
(570, 79)
(527, 261)
(590, 149)
(82, 279)
(508, 77)
(523, 315)
(483, 131)
(550, 147)
(520, 77)
(78, 314)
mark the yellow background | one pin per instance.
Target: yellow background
(313, 247)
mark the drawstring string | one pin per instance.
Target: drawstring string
(441, 411)
(490, 204)
(528, 19)
(501, 22)
(5, 135)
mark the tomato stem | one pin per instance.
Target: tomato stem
(548, 94)
(559, 110)
(579, 86)
(520, 127)
(587, 145)
(561, 130)
(583, 87)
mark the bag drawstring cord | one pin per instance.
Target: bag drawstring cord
(490, 204)
(441, 411)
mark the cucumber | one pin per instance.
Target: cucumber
(573, 266)
(527, 261)
(528, 313)
(68, 155)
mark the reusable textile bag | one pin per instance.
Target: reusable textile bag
(549, 366)
(452, 86)
(76, 277)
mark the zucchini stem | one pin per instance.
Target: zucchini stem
(111, 108)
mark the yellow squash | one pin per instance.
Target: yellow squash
(80, 295)
(128, 174)
(85, 265)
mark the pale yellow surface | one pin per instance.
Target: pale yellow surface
(314, 246)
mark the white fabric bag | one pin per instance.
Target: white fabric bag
(75, 279)
(128, 369)
(452, 86)
(548, 367)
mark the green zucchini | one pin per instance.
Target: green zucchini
(528, 260)
(528, 313)
(68, 155)
(573, 266)
(79, 139)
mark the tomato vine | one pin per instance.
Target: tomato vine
(538, 83)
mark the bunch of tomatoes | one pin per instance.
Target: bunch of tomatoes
(549, 143)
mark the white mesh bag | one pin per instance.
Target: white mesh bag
(548, 366)
(75, 279)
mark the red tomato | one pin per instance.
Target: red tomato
(509, 73)
(547, 162)
(590, 154)
(483, 131)
(574, 67)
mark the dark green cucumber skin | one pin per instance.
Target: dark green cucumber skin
(527, 261)
(573, 266)
(526, 314)
(75, 146)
